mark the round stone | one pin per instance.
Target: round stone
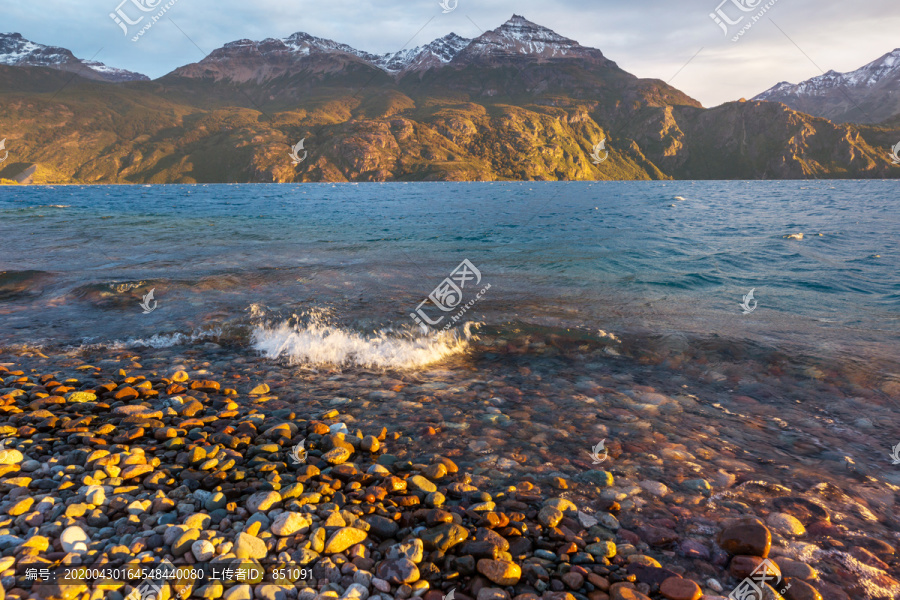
(398, 571)
(746, 536)
(289, 523)
(370, 443)
(785, 524)
(501, 572)
(10, 457)
(420, 483)
(343, 538)
(262, 501)
(203, 550)
(676, 588)
(74, 539)
(249, 546)
(550, 516)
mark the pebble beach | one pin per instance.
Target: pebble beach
(477, 475)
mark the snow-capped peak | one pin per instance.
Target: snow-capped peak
(519, 36)
(17, 51)
(868, 76)
(434, 54)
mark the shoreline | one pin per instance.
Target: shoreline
(172, 457)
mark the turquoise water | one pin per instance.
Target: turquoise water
(647, 258)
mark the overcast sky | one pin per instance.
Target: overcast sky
(649, 38)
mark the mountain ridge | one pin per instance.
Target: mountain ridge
(865, 95)
(516, 38)
(519, 102)
(15, 50)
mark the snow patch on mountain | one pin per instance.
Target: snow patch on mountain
(17, 51)
(519, 36)
(869, 76)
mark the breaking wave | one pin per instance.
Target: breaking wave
(316, 343)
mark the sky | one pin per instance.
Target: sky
(675, 41)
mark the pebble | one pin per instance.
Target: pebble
(501, 572)
(10, 457)
(550, 516)
(746, 536)
(786, 524)
(263, 501)
(74, 539)
(398, 571)
(343, 538)
(676, 588)
(249, 546)
(213, 477)
(203, 550)
(289, 523)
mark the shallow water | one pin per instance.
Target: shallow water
(625, 257)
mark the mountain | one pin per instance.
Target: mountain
(518, 102)
(246, 60)
(520, 37)
(870, 94)
(17, 51)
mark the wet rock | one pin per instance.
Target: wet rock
(746, 536)
(800, 590)
(805, 511)
(625, 593)
(567, 507)
(676, 588)
(795, 568)
(656, 488)
(657, 536)
(785, 524)
(694, 549)
(742, 566)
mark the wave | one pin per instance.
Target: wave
(317, 343)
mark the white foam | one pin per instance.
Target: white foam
(318, 344)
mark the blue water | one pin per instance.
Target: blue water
(625, 257)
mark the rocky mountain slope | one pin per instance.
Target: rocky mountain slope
(17, 51)
(870, 94)
(518, 102)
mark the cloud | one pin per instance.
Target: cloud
(653, 38)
